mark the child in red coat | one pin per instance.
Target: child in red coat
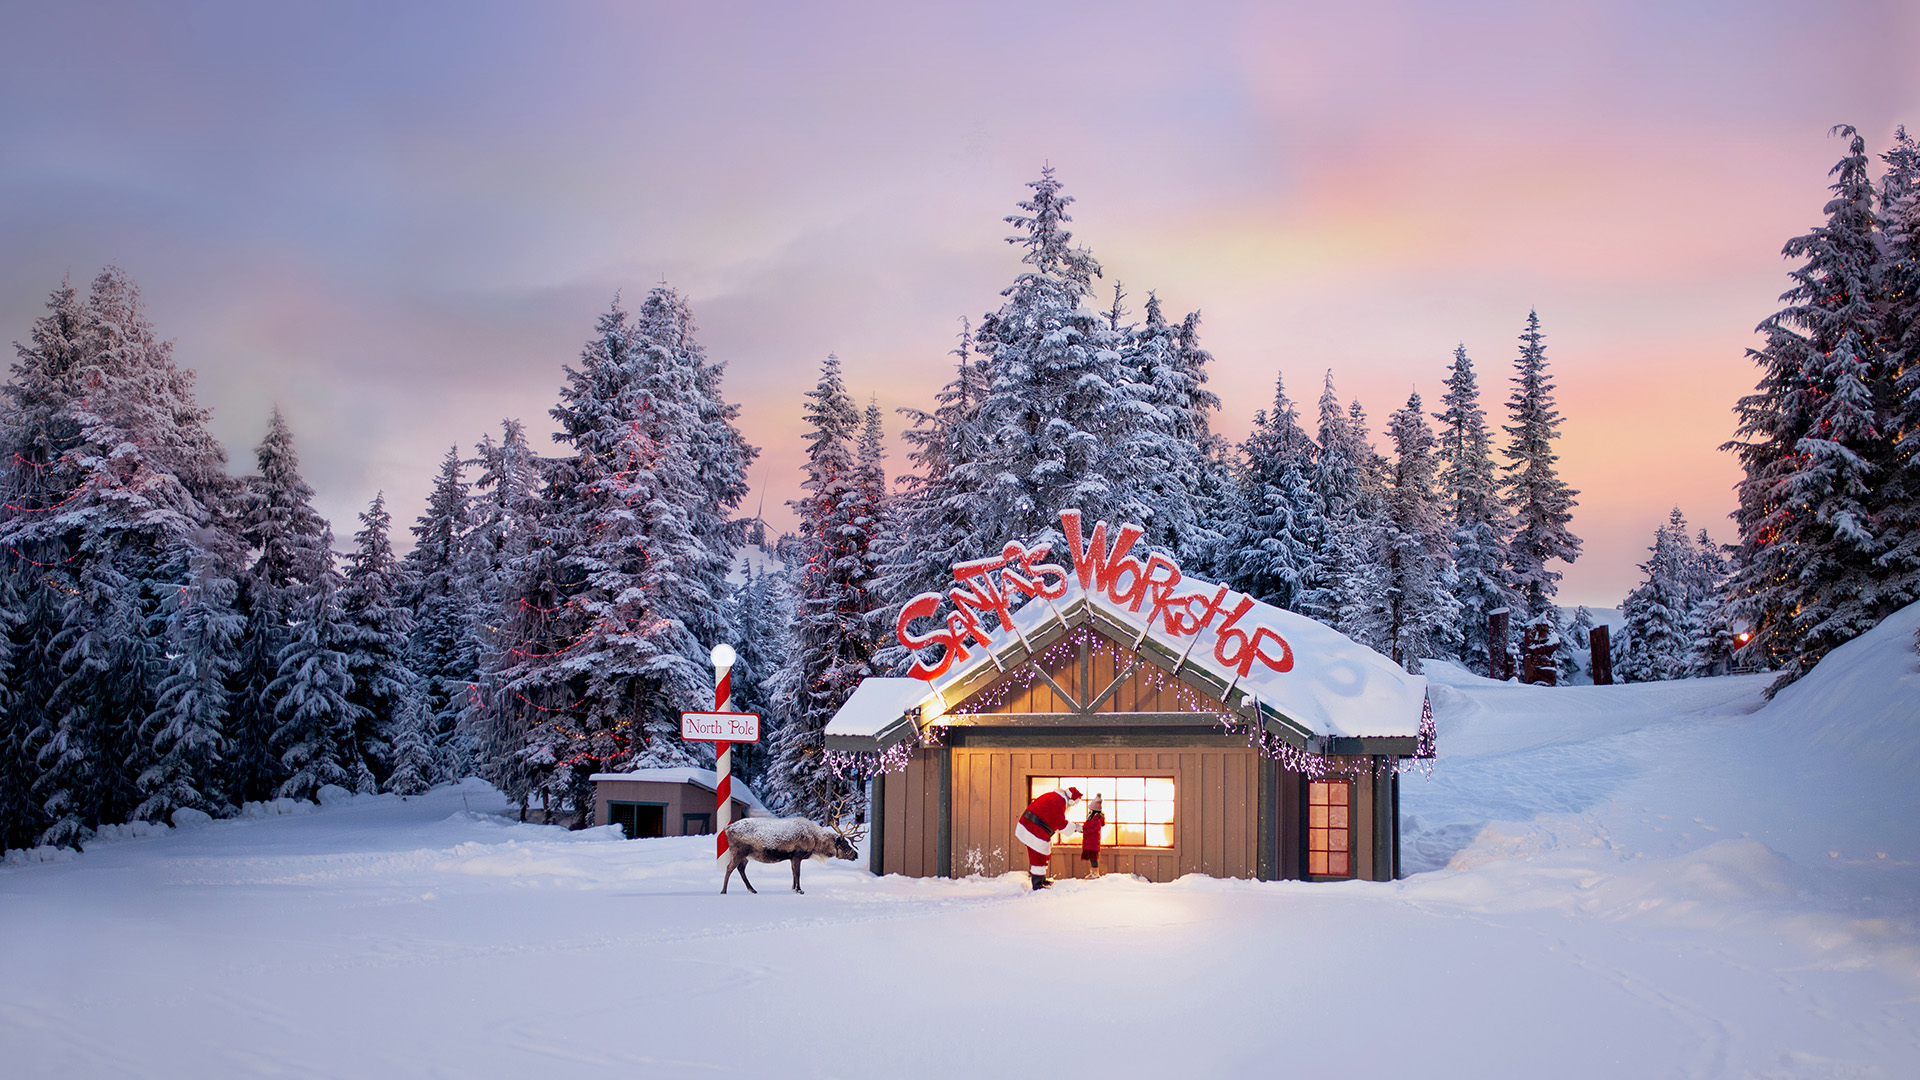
(1090, 835)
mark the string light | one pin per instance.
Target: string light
(863, 765)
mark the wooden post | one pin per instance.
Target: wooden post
(1537, 665)
(1600, 655)
(1498, 666)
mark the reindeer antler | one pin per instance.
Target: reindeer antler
(839, 806)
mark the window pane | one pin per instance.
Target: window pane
(1160, 811)
(1160, 836)
(1317, 862)
(1160, 789)
(1337, 839)
(1337, 864)
(1337, 816)
(1130, 787)
(1317, 793)
(1130, 835)
(1317, 817)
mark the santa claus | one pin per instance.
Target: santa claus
(1044, 817)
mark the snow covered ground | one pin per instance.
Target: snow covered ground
(1622, 882)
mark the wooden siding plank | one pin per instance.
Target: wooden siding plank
(1001, 811)
(1234, 822)
(895, 837)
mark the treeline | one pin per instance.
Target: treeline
(174, 638)
(1829, 441)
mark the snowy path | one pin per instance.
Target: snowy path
(1644, 881)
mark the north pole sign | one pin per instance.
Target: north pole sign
(989, 589)
(726, 727)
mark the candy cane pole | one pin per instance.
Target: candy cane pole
(723, 658)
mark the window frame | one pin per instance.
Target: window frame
(1343, 813)
(1172, 824)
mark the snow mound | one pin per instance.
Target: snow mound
(1863, 698)
(45, 853)
(187, 817)
(275, 808)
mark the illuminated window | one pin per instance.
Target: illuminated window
(1328, 803)
(1139, 809)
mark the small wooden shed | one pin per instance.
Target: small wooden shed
(1227, 737)
(665, 802)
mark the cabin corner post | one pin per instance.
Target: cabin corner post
(943, 839)
(1267, 854)
(1397, 872)
(877, 825)
(1386, 819)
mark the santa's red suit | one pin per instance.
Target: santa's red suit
(1044, 816)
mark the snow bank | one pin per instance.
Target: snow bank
(1647, 880)
(1863, 698)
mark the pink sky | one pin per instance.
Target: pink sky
(399, 223)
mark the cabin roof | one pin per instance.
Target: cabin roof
(702, 778)
(1337, 696)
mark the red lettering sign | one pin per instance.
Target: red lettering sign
(987, 586)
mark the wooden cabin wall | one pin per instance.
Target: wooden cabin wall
(1147, 689)
(910, 832)
(1216, 828)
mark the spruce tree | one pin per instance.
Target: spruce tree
(114, 483)
(1271, 551)
(762, 614)
(1058, 403)
(376, 627)
(1470, 500)
(1540, 503)
(1421, 612)
(187, 729)
(289, 539)
(937, 513)
(1896, 493)
(316, 718)
(442, 649)
(1811, 575)
(837, 632)
(1164, 386)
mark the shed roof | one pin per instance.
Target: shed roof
(704, 778)
(1335, 692)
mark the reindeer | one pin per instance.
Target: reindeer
(795, 839)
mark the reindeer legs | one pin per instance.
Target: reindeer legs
(736, 862)
(797, 860)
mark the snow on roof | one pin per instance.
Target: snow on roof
(1332, 687)
(877, 705)
(705, 778)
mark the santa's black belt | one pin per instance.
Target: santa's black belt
(1040, 828)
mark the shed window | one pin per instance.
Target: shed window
(1329, 804)
(1139, 809)
(638, 820)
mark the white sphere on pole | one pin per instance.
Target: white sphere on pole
(723, 655)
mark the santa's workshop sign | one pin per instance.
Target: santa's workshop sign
(990, 588)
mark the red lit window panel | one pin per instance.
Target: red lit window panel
(1329, 804)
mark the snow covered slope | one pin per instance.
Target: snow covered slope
(1610, 882)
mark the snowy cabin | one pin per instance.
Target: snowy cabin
(1227, 737)
(665, 802)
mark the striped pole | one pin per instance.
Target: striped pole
(723, 658)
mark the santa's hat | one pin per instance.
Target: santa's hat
(1072, 794)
